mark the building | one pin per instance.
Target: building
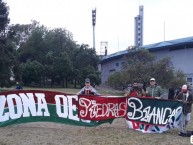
(180, 51)
(139, 28)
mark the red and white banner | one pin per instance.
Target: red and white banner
(101, 107)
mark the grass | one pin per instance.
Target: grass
(102, 91)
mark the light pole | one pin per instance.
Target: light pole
(93, 24)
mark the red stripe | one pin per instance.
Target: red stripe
(49, 95)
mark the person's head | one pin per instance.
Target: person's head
(152, 82)
(184, 88)
(135, 84)
(87, 82)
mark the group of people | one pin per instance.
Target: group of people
(155, 91)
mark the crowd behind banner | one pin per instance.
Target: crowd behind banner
(101, 107)
(24, 106)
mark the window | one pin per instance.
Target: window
(117, 64)
(189, 80)
(122, 63)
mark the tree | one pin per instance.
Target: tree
(56, 52)
(32, 73)
(117, 80)
(6, 52)
(140, 65)
(86, 65)
(4, 13)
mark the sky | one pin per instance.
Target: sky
(163, 19)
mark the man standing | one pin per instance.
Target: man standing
(135, 91)
(88, 89)
(154, 90)
(187, 99)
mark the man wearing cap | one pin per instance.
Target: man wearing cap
(88, 89)
(154, 90)
(187, 99)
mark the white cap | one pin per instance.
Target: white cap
(185, 87)
(152, 79)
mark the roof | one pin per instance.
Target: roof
(114, 55)
(169, 43)
(154, 46)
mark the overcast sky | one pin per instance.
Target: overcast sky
(114, 19)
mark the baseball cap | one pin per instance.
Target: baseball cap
(152, 79)
(185, 87)
(87, 80)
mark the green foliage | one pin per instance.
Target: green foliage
(141, 65)
(50, 57)
(86, 65)
(117, 80)
(6, 52)
(4, 13)
(32, 73)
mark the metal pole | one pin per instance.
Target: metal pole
(93, 24)
(93, 37)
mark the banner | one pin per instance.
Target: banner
(37, 106)
(153, 115)
(101, 107)
(148, 115)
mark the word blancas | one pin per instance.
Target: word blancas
(14, 106)
(95, 110)
(150, 114)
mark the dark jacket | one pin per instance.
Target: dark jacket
(187, 104)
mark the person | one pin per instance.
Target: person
(88, 89)
(135, 91)
(187, 99)
(171, 93)
(154, 90)
(18, 86)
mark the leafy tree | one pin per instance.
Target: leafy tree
(4, 13)
(59, 53)
(32, 73)
(86, 65)
(6, 52)
(18, 34)
(52, 50)
(117, 80)
(141, 65)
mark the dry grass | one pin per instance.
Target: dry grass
(108, 134)
(117, 133)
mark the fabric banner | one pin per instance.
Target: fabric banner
(101, 107)
(153, 115)
(144, 114)
(37, 106)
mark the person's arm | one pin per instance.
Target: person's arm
(143, 92)
(80, 92)
(94, 91)
(160, 91)
(147, 92)
(127, 93)
(178, 97)
(190, 99)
